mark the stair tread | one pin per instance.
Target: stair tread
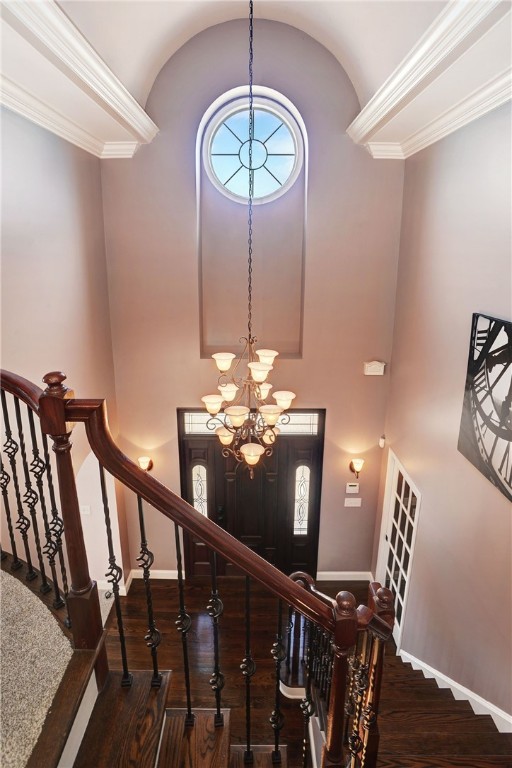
(442, 719)
(62, 712)
(124, 728)
(428, 742)
(262, 756)
(414, 761)
(202, 745)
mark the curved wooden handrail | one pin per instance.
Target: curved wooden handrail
(368, 617)
(27, 392)
(93, 414)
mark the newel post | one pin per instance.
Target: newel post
(345, 636)
(83, 602)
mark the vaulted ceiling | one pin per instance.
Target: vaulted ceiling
(421, 68)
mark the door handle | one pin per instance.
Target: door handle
(220, 516)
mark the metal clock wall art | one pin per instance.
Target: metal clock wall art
(485, 436)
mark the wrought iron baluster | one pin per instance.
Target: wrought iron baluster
(56, 527)
(145, 560)
(315, 667)
(326, 648)
(183, 625)
(38, 469)
(330, 662)
(289, 632)
(278, 653)
(4, 483)
(11, 448)
(360, 686)
(114, 575)
(31, 498)
(215, 609)
(307, 706)
(353, 663)
(248, 667)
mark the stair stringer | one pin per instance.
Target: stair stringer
(480, 706)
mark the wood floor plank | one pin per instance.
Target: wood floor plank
(403, 689)
(262, 756)
(201, 745)
(131, 717)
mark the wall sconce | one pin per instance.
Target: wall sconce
(145, 463)
(356, 466)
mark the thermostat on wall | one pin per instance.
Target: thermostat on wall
(374, 368)
(352, 488)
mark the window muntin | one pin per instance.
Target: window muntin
(277, 150)
(199, 489)
(195, 423)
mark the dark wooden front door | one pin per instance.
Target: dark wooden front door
(260, 512)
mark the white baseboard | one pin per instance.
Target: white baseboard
(106, 586)
(136, 573)
(344, 576)
(502, 719)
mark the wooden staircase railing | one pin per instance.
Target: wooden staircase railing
(59, 411)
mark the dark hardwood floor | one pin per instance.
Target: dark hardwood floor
(421, 725)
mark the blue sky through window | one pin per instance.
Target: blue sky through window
(274, 153)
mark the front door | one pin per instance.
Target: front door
(276, 513)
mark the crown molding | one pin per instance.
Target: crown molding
(119, 149)
(29, 106)
(451, 33)
(17, 99)
(63, 43)
(385, 150)
(493, 94)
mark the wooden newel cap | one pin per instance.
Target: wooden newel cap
(385, 596)
(345, 603)
(55, 386)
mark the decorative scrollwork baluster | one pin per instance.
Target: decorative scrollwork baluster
(38, 469)
(114, 575)
(307, 706)
(11, 448)
(145, 561)
(248, 667)
(183, 624)
(355, 742)
(215, 609)
(278, 654)
(4, 483)
(56, 527)
(31, 499)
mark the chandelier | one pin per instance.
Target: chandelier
(247, 426)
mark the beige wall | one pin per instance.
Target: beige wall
(455, 259)
(55, 311)
(354, 208)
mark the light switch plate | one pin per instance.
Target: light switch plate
(353, 502)
(352, 488)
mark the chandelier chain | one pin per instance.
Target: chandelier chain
(251, 172)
